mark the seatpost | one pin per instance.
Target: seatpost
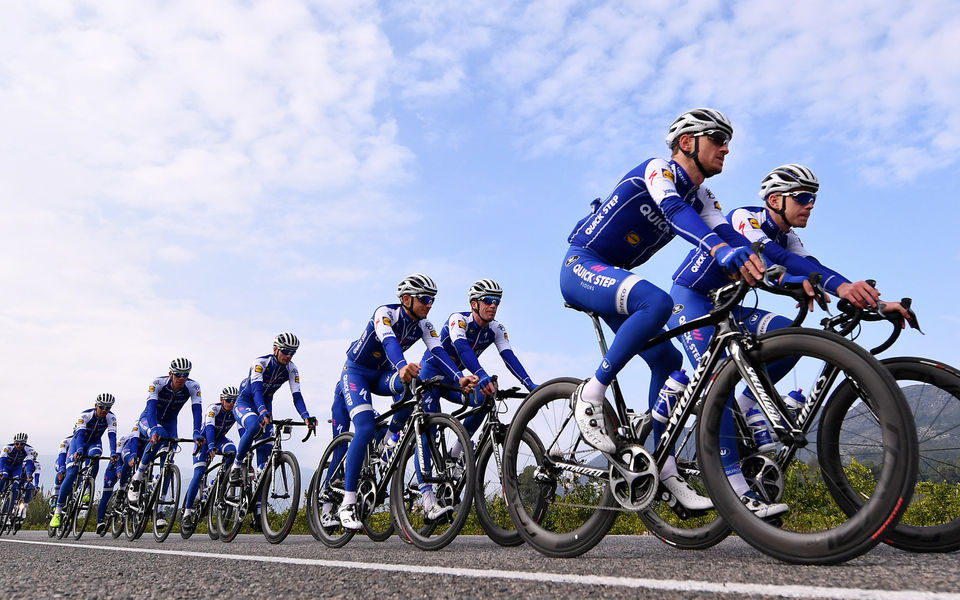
(617, 394)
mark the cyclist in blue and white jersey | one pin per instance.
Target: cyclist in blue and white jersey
(255, 402)
(375, 365)
(464, 337)
(218, 421)
(18, 461)
(789, 193)
(651, 204)
(130, 446)
(165, 397)
(87, 442)
(60, 467)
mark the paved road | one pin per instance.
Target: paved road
(471, 567)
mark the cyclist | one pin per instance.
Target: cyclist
(375, 365)
(464, 337)
(87, 442)
(18, 461)
(218, 421)
(131, 447)
(789, 193)
(165, 397)
(651, 204)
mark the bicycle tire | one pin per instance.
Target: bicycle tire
(213, 526)
(932, 389)
(488, 497)
(115, 518)
(166, 503)
(798, 538)
(82, 510)
(234, 506)
(327, 486)
(187, 532)
(580, 509)
(280, 497)
(6, 506)
(451, 489)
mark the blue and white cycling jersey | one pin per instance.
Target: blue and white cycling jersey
(265, 377)
(62, 453)
(164, 404)
(13, 459)
(465, 340)
(89, 431)
(216, 423)
(700, 271)
(650, 205)
(388, 334)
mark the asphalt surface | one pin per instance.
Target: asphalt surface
(470, 567)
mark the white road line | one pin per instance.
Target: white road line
(785, 591)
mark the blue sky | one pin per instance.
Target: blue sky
(184, 178)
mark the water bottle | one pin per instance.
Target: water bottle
(795, 401)
(389, 444)
(667, 398)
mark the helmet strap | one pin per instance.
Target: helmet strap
(409, 308)
(695, 155)
(782, 211)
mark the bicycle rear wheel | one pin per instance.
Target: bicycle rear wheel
(167, 502)
(326, 487)
(823, 533)
(213, 500)
(573, 481)
(280, 497)
(82, 509)
(233, 507)
(488, 496)
(932, 521)
(115, 515)
(450, 479)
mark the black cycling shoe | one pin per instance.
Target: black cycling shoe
(255, 524)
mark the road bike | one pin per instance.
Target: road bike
(11, 505)
(488, 498)
(587, 489)
(421, 457)
(205, 502)
(275, 489)
(79, 505)
(159, 501)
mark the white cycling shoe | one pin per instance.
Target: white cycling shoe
(436, 511)
(686, 495)
(588, 413)
(328, 519)
(348, 517)
(762, 509)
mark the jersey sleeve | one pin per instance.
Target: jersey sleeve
(383, 329)
(112, 432)
(294, 381)
(502, 341)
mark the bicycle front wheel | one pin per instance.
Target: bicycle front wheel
(82, 509)
(326, 490)
(280, 497)
(115, 516)
(932, 389)
(572, 483)
(450, 479)
(167, 502)
(819, 529)
(488, 496)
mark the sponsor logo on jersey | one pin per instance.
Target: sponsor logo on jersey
(505, 336)
(754, 224)
(716, 205)
(571, 260)
(593, 278)
(699, 262)
(151, 389)
(656, 218)
(375, 355)
(258, 369)
(668, 175)
(462, 324)
(632, 238)
(296, 379)
(211, 414)
(598, 268)
(677, 309)
(433, 333)
(387, 322)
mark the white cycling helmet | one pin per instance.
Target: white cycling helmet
(229, 393)
(20, 438)
(483, 288)
(787, 178)
(698, 120)
(181, 365)
(415, 285)
(105, 400)
(286, 341)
